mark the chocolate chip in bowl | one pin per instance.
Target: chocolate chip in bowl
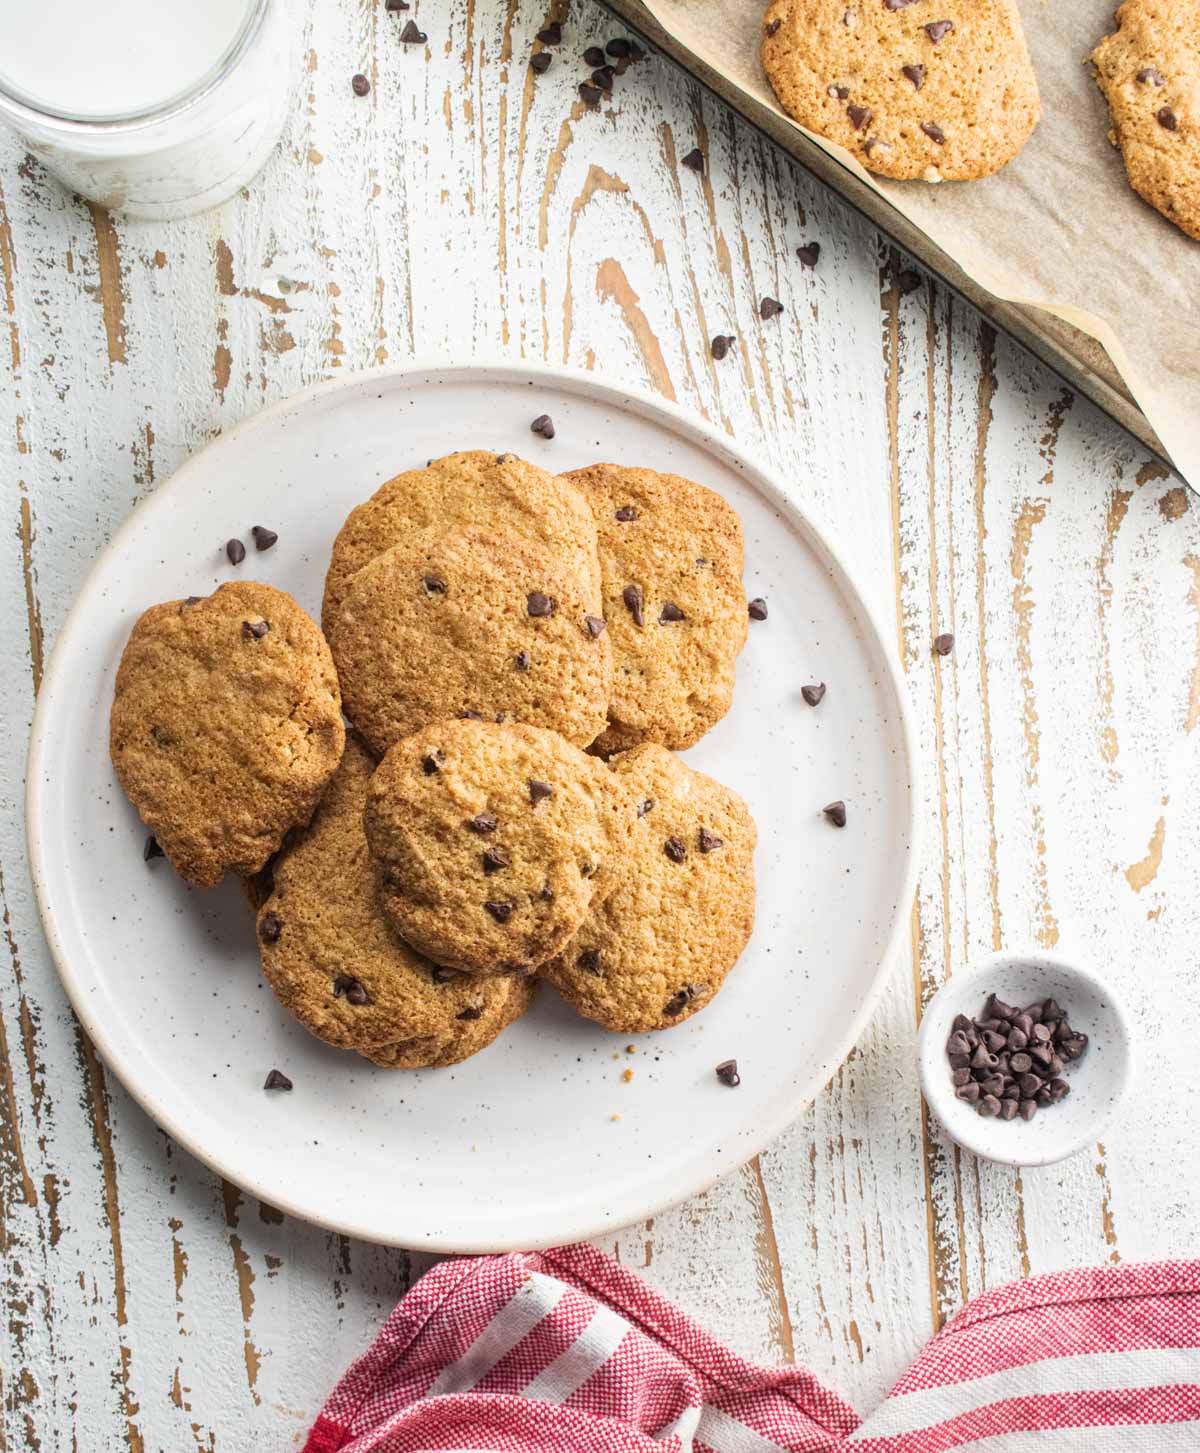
(1023, 1057)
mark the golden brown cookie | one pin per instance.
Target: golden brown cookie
(939, 89)
(226, 724)
(443, 625)
(470, 490)
(335, 963)
(671, 567)
(493, 842)
(659, 947)
(1149, 71)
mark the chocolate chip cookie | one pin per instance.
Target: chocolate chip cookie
(659, 947)
(475, 624)
(939, 89)
(671, 568)
(493, 842)
(226, 724)
(473, 489)
(1149, 71)
(334, 962)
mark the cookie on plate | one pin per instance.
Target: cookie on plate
(471, 622)
(671, 568)
(473, 489)
(1149, 71)
(659, 947)
(334, 962)
(226, 724)
(493, 842)
(939, 89)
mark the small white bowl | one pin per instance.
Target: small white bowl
(1097, 1081)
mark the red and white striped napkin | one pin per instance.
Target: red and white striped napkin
(568, 1352)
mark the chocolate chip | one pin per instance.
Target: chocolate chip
(589, 95)
(814, 695)
(808, 253)
(540, 63)
(410, 35)
(679, 1002)
(596, 625)
(727, 1073)
(968, 1093)
(539, 604)
(593, 56)
(270, 926)
(543, 425)
(757, 609)
(836, 813)
(1020, 1064)
(675, 849)
(1167, 119)
(860, 117)
(958, 1043)
(547, 893)
(916, 74)
(875, 143)
(348, 987)
(393, 5)
(993, 1041)
(521, 660)
(694, 161)
(482, 823)
(944, 643)
(1029, 1084)
(769, 308)
(588, 960)
(360, 85)
(500, 909)
(618, 49)
(960, 1076)
(552, 35)
(626, 513)
(709, 841)
(431, 764)
(263, 538)
(937, 29)
(896, 4)
(647, 805)
(670, 614)
(1040, 1034)
(632, 596)
(935, 133)
(1073, 1048)
(1150, 76)
(190, 601)
(539, 791)
(255, 630)
(839, 93)
(470, 716)
(277, 1080)
(236, 551)
(772, 27)
(440, 975)
(151, 849)
(494, 859)
(1028, 1109)
(721, 345)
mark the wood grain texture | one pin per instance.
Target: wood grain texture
(467, 207)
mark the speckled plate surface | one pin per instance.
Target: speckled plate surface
(538, 1140)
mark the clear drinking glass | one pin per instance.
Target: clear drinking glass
(183, 154)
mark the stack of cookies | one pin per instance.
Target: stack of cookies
(518, 655)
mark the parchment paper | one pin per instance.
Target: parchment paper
(1059, 228)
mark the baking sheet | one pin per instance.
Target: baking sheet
(1059, 228)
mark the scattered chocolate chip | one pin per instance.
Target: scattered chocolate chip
(596, 625)
(360, 85)
(589, 95)
(916, 74)
(434, 585)
(860, 117)
(540, 63)
(1167, 119)
(675, 849)
(501, 909)
(483, 822)
(679, 1002)
(588, 960)
(547, 893)
(151, 849)
(709, 841)
(721, 345)
(431, 764)
(255, 630)
(521, 660)
(236, 551)
(494, 859)
(727, 1073)
(896, 4)
(472, 1011)
(410, 35)
(944, 643)
(543, 425)
(270, 926)
(632, 596)
(836, 813)
(645, 806)
(470, 716)
(626, 513)
(769, 308)
(670, 614)
(539, 791)
(593, 56)
(277, 1080)
(839, 93)
(772, 27)
(1150, 76)
(808, 253)
(351, 989)
(440, 975)
(190, 601)
(618, 49)
(552, 35)
(757, 609)
(263, 538)
(539, 604)
(938, 29)
(934, 132)
(874, 144)
(694, 161)
(814, 694)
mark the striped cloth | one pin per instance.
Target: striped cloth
(568, 1352)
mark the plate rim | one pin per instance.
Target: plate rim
(582, 1227)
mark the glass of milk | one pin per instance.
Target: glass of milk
(154, 108)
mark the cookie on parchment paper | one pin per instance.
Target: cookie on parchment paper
(660, 946)
(939, 89)
(493, 842)
(226, 724)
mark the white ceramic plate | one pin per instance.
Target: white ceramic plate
(538, 1140)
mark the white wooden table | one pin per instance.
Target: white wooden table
(463, 208)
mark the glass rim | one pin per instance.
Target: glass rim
(27, 106)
